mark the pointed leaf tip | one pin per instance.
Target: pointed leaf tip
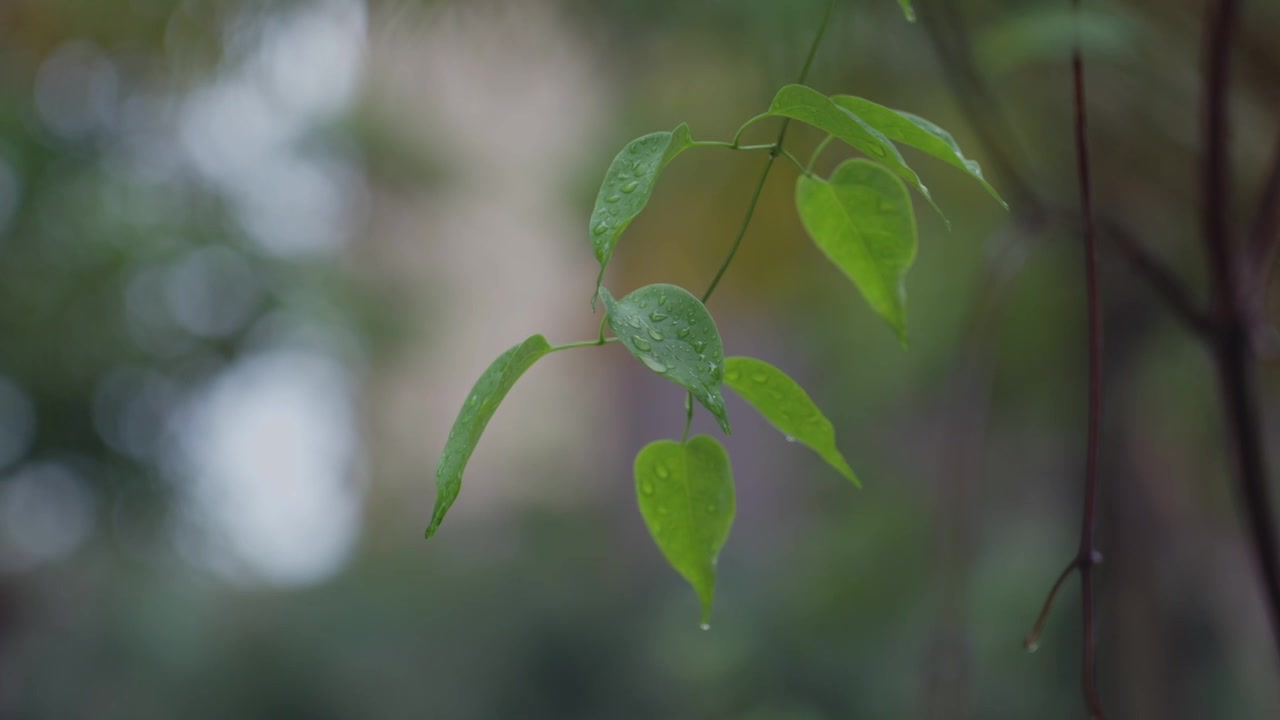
(627, 187)
(686, 497)
(861, 220)
(787, 407)
(481, 403)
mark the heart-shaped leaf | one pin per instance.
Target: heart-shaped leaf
(476, 412)
(917, 132)
(787, 407)
(627, 185)
(685, 492)
(861, 219)
(810, 106)
(671, 332)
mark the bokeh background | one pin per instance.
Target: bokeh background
(253, 254)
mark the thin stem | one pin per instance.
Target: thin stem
(583, 344)
(1088, 528)
(1233, 349)
(1032, 641)
(688, 416)
(813, 159)
(737, 137)
(771, 147)
(728, 145)
(773, 155)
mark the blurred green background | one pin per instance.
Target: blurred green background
(253, 254)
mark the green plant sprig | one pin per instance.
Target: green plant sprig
(860, 217)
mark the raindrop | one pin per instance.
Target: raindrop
(641, 344)
(656, 335)
(662, 471)
(600, 228)
(654, 363)
(699, 346)
(731, 375)
(662, 299)
(630, 187)
(759, 377)
(682, 333)
(634, 322)
(657, 316)
(646, 488)
(705, 626)
(613, 198)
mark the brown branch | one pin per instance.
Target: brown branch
(1087, 555)
(1232, 346)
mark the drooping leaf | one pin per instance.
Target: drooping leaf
(907, 10)
(917, 132)
(671, 332)
(481, 403)
(627, 185)
(812, 107)
(685, 492)
(787, 407)
(861, 219)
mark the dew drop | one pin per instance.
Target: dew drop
(760, 377)
(641, 344)
(646, 488)
(600, 228)
(653, 363)
(662, 471)
(704, 626)
(657, 316)
(656, 335)
(699, 346)
(630, 187)
(634, 322)
(613, 198)
(662, 299)
(682, 333)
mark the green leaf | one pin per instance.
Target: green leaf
(476, 412)
(671, 332)
(917, 132)
(810, 106)
(685, 492)
(787, 407)
(861, 219)
(627, 186)
(907, 10)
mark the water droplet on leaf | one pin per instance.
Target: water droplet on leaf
(630, 187)
(641, 344)
(656, 335)
(653, 363)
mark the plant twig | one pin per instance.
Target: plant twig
(1087, 555)
(773, 155)
(1232, 346)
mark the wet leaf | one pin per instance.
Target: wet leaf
(627, 185)
(671, 332)
(861, 219)
(812, 107)
(917, 132)
(907, 10)
(685, 493)
(787, 407)
(476, 412)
